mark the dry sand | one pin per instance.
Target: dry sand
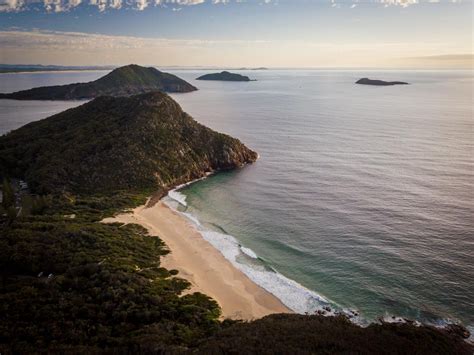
(202, 265)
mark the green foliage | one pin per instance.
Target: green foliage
(299, 334)
(12, 213)
(8, 194)
(40, 204)
(76, 283)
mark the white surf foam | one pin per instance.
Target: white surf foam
(248, 252)
(293, 295)
(178, 197)
(191, 218)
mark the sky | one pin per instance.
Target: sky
(239, 33)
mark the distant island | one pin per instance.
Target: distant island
(224, 76)
(367, 81)
(259, 68)
(124, 81)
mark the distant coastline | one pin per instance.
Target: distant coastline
(13, 68)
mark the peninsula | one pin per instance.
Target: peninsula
(367, 81)
(224, 76)
(140, 142)
(124, 81)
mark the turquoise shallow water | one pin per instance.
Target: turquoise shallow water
(363, 197)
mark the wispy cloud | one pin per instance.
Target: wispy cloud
(386, 3)
(102, 5)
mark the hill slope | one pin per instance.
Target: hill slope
(123, 81)
(140, 142)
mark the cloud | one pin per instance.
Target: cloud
(386, 3)
(11, 5)
(402, 3)
(102, 5)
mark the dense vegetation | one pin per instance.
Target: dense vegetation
(139, 142)
(224, 76)
(68, 281)
(123, 81)
(299, 334)
(71, 284)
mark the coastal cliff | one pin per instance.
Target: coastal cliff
(139, 142)
(124, 81)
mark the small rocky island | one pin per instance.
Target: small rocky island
(124, 81)
(225, 76)
(367, 81)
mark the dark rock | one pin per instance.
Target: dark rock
(458, 330)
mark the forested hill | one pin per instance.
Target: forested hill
(124, 81)
(139, 142)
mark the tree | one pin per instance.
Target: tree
(8, 194)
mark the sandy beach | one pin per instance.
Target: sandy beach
(202, 265)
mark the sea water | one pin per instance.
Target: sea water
(362, 198)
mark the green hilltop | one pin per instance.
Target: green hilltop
(124, 81)
(139, 142)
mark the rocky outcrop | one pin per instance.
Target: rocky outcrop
(135, 143)
(123, 81)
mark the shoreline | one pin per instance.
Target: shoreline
(201, 264)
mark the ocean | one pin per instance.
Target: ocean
(362, 198)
